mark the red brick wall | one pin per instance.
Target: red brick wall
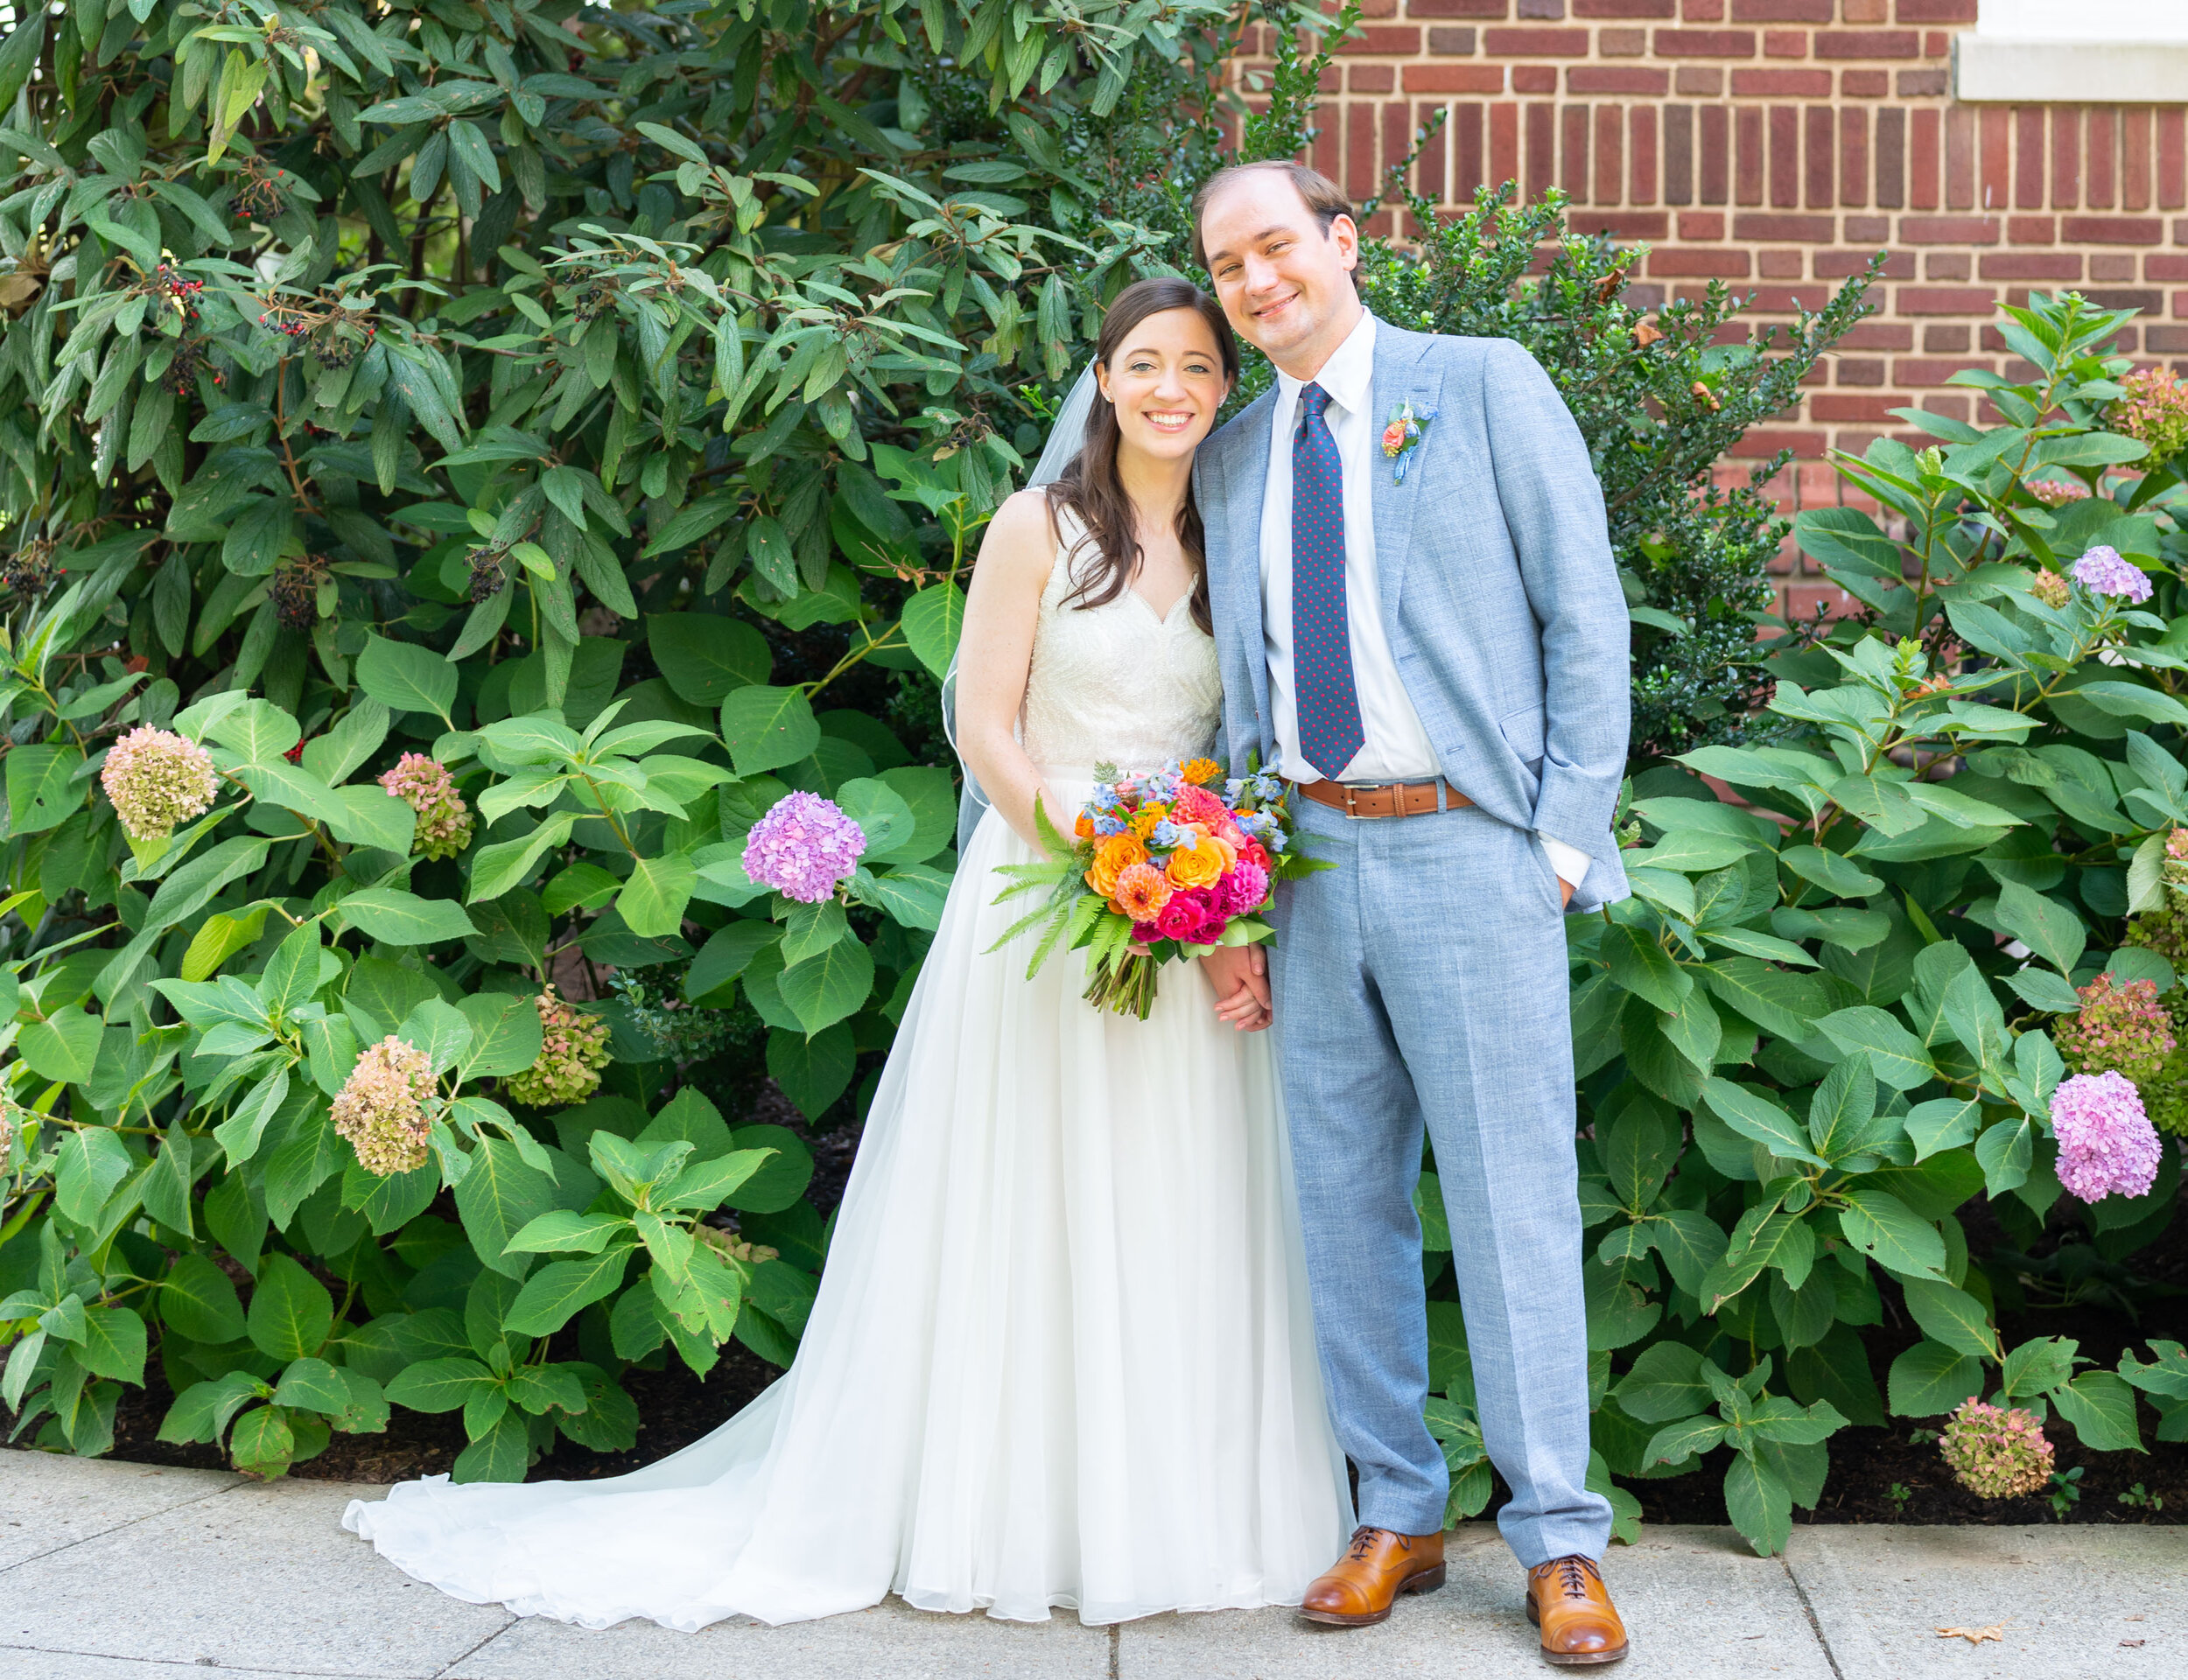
(1775, 144)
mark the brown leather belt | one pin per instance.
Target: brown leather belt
(1389, 799)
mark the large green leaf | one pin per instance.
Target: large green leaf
(403, 677)
(1663, 1384)
(558, 1290)
(1880, 1225)
(1757, 1117)
(197, 1299)
(766, 728)
(1952, 1317)
(933, 621)
(705, 657)
(291, 1310)
(1759, 1504)
(395, 917)
(1895, 1055)
(496, 1199)
(40, 792)
(505, 1035)
(826, 988)
(63, 1047)
(93, 1163)
(1929, 1378)
(2101, 1407)
(653, 900)
(2047, 927)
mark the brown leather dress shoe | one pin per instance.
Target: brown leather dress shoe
(1357, 1590)
(1568, 1601)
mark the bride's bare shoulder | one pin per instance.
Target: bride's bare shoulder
(1021, 538)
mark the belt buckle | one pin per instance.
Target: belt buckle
(1351, 799)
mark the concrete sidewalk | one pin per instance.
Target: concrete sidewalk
(121, 1572)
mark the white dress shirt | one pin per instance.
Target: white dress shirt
(1394, 747)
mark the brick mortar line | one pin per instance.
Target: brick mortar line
(133, 1522)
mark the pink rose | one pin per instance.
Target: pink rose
(1180, 917)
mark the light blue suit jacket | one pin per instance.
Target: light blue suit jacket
(1499, 597)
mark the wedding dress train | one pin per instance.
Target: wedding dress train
(1062, 1353)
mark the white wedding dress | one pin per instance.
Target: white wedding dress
(1062, 1353)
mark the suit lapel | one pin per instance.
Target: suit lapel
(1401, 375)
(1244, 468)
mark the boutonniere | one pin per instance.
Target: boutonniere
(1408, 426)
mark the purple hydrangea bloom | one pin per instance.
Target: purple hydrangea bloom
(803, 847)
(2102, 571)
(2106, 1145)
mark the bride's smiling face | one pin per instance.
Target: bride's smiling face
(1166, 383)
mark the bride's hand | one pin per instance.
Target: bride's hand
(1240, 973)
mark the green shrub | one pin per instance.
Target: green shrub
(1822, 1023)
(580, 417)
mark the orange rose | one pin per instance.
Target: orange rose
(1083, 829)
(1196, 866)
(1113, 855)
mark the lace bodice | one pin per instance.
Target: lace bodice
(1116, 682)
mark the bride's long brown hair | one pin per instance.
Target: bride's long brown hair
(1090, 487)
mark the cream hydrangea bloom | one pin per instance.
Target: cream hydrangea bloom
(383, 1108)
(157, 780)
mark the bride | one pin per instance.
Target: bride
(1063, 1354)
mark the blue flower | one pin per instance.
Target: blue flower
(1168, 835)
(1108, 825)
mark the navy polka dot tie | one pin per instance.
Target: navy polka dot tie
(1330, 732)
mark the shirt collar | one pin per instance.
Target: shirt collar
(1348, 373)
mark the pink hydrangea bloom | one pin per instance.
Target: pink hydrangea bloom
(1997, 1453)
(803, 847)
(2106, 1145)
(2056, 493)
(2154, 412)
(2103, 571)
(2122, 1029)
(156, 779)
(573, 1050)
(381, 1108)
(444, 821)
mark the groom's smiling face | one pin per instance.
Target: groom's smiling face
(1283, 280)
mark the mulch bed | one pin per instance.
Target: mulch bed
(1877, 1475)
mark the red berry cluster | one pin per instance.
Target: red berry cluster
(167, 280)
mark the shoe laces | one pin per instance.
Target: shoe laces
(1363, 1542)
(1573, 1575)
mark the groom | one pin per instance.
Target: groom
(1420, 627)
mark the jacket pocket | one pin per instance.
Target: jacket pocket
(1524, 732)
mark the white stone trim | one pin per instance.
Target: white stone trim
(2069, 72)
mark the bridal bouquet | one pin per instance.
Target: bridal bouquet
(1159, 866)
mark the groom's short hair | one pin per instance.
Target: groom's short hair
(1323, 197)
